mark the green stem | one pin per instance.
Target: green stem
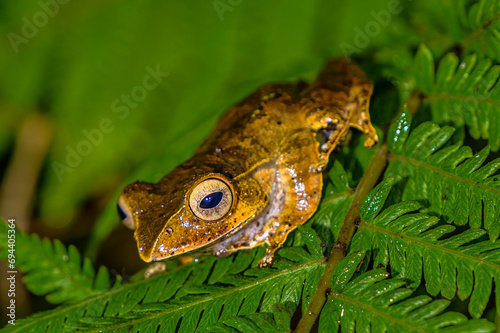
(368, 181)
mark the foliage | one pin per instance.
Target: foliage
(417, 247)
(463, 189)
(54, 270)
(425, 255)
(462, 92)
(372, 302)
(225, 292)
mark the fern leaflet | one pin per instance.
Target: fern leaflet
(53, 270)
(452, 180)
(482, 19)
(462, 92)
(416, 245)
(371, 302)
(197, 296)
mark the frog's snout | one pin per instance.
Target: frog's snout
(125, 213)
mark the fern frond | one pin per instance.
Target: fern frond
(338, 178)
(412, 242)
(198, 295)
(462, 92)
(278, 321)
(52, 270)
(454, 181)
(371, 302)
(327, 220)
(482, 20)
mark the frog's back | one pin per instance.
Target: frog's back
(252, 131)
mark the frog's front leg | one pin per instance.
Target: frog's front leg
(297, 191)
(337, 100)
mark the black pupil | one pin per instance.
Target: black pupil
(211, 200)
(122, 214)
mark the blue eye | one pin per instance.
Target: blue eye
(211, 200)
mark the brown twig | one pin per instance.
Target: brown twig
(368, 181)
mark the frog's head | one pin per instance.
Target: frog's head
(192, 207)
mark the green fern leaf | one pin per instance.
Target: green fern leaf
(278, 321)
(199, 295)
(452, 180)
(399, 131)
(54, 271)
(462, 92)
(417, 246)
(204, 305)
(339, 178)
(371, 302)
(481, 19)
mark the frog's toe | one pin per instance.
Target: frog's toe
(266, 261)
(371, 137)
(154, 269)
(317, 167)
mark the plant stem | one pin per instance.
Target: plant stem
(368, 181)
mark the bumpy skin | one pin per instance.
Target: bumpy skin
(270, 149)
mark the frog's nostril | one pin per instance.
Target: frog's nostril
(124, 213)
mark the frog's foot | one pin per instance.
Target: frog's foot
(317, 167)
(359, 115)
(279, 238)
(185, 259)
(371, 136)
(268, 259)
(154, 269)
(222, 253)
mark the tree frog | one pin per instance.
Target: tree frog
(259, 173)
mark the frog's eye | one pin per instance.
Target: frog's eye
(124, 213)
(211, 199)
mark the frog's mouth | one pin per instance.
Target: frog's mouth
(198, 247)
(183, 234)
(190, 238)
